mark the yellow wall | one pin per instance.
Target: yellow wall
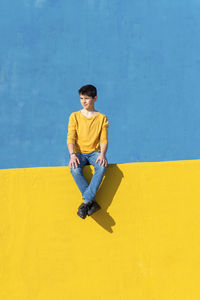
(144, 244)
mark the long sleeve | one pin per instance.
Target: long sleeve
(104, 132)
(71, 135)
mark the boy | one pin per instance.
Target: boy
(87, 142)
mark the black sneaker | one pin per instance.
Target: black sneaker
(93, 208)
(82, 210)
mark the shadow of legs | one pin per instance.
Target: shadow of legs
(105, 194)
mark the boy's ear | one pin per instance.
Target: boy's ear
(95, 98)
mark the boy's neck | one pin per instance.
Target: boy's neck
(91, 110)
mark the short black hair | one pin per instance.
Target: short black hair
(89, 90)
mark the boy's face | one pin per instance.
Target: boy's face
(87, 102)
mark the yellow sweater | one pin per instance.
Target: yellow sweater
(87, 133)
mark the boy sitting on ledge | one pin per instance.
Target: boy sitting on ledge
(87, 142)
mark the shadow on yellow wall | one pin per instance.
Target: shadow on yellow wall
(106, 193)
(151, 209)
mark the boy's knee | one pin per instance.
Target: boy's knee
(101, 168)
(75, 170)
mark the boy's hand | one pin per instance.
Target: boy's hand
(102, 159)
(73, 161)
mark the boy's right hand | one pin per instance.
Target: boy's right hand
(73, 161)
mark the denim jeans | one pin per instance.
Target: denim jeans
(88, 191)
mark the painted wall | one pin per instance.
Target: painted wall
(143, 244)
(143, 56)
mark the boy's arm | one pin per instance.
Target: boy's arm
(74, 161)
(71, 138)
(71, 135)
(103, 144)
(104, 148)
(104, 136)
(102, 158)
(70, 148)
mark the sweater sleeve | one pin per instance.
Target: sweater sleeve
(104, 132)
(71, 135)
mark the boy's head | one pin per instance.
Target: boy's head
(88, 90)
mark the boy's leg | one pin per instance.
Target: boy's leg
(77, 173)
(96, 180)
(81, 182)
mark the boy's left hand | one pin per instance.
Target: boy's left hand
(102, 159)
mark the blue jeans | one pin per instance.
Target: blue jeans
(88, 191)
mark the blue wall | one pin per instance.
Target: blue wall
(143, 56)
